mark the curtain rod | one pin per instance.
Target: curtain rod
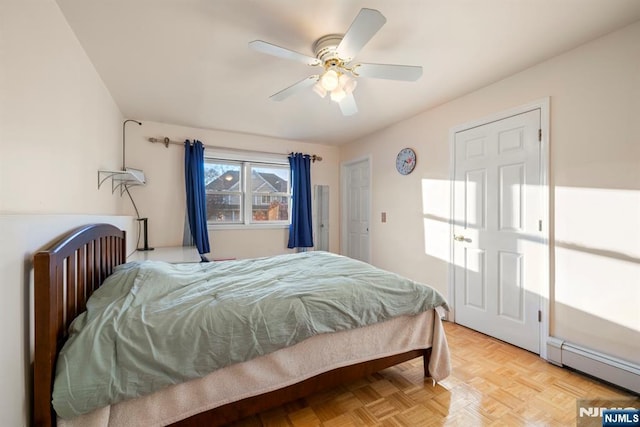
(166, 141)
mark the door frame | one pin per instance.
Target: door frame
(344, 220)
(545, 289)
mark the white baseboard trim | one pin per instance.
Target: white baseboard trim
(606, 367)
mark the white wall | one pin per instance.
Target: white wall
(595, 176)
(58, 126)
(58, 122)
(162, 199)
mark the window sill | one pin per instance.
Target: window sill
(246, 226)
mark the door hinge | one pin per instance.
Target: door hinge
(539, 135)
(539, 225)
(539, 316)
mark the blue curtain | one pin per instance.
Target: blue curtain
(196, 196)
(300, 230)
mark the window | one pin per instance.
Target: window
(247, 192)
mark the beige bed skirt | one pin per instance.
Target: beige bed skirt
(276, 370)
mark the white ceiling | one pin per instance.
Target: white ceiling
(187, 62)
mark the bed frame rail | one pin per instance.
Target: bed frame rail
(65, 276)
(235, 411)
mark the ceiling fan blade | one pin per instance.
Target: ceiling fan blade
(388, 71)
(295, 88)
(281, 52)
(348, 105)
(362, 29)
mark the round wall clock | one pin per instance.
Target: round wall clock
(406, 161)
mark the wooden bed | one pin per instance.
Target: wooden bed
(68, 272)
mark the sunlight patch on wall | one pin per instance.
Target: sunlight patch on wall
(608, 220)
(435, 198)
(436, 238)
(605, 287)
(597, 252)
(435, 210)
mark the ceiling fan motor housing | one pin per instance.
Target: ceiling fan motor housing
(325, 49)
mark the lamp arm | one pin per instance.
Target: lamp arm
(124, 167)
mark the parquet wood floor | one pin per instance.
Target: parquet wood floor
(492, 384)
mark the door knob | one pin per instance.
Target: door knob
(459, 238)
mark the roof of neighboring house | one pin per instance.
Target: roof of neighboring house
(261, 181)
(277, 183)
(225, 182)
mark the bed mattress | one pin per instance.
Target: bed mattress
(277, 370)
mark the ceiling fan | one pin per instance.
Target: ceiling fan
(335, 54)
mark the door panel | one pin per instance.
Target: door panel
(475, 272)
(357, 214)
(495, 214)
(475, 189)
(511, 201)
(510, 290)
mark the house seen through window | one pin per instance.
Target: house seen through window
(241, 192)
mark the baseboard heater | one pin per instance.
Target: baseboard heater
(606, 367)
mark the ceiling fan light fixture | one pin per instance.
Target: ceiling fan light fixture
(338, 95)
(329, 80)
(350, 87)
(347, 83)
(317, 88)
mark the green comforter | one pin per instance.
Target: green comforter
(153, 324)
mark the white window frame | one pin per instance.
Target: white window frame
(247, 161)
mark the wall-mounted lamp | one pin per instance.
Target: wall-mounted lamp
(124, 179)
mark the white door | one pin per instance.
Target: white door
(498, 250)
(322, 217)
(357, 191)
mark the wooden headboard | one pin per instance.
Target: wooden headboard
(65, 276)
